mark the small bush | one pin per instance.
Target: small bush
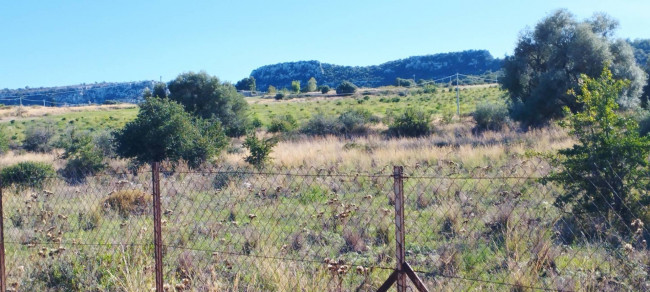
(490, 116)
(37, 139)
(26, 174)
(320, 125)
(324, 89)
(259, 150)
(279, 96)
(127, 202)
(411, 123)
(282, 124)
(346, 87)
(355, 121)
(83, 154)
(644, 125)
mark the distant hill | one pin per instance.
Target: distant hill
(473, 62)
(96, 93)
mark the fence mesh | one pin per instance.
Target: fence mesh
(319, 229)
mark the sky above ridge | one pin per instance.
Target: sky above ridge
(52, 43)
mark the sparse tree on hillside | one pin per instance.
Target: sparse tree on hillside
(549, 60)
(206, 97)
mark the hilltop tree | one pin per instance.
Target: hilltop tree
(206, 97)
(549, 60)
(163, 130)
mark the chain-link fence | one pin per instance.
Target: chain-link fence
(313, 229)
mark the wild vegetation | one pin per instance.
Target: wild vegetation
(281, 192)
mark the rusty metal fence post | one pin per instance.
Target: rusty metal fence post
(3, 276)
(400, 252)
(157, 229)
(402, 268)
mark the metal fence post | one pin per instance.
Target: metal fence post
(157, 230)
(398, 187)
(3, 276)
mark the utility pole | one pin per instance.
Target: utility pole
(457, 97)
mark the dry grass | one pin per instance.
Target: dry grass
(13, 157)
(15, 113)
(454, 142)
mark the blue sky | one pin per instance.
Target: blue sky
(49, 43)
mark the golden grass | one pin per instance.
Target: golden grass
(375, 151)
(15, 112)
(13, 157)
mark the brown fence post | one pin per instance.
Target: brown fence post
(3, 276)
(157, 229)
(398, 186)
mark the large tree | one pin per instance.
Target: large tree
(549, 60)
(207, 97)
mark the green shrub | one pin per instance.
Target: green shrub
(355, 121)
(644, 124)
(37, 139)
(320, 125)
(259, 149)
(26, 174)
(602, 173)
(324, 89)
(271, 90)
(490, 116)
(295, 86)
(282, 124)
(346, 87)
(411, 123)
(279, 96)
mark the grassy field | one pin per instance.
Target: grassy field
(475, 210)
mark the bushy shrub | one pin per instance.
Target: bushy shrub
(324, 89)
(355, 121)
(295, 86)
(271, 90)
(411, 123)
(37, 139)
(83, 153)
(282, 124)
(320, 125)
(169, 133)
(26, 174)
(490, 116)
(259, 149)
(346, 87)
(279, 96)
(644, 124)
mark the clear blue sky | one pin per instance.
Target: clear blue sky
(49, 43)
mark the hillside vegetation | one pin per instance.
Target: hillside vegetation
(473, 62)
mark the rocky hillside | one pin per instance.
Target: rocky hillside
(97, 93)
(429, 67)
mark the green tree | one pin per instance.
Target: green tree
(247, 83)
(206, 97)
(311, 85)
(295, 86)
(160, 90)
(163, 130)
(324, 89)
(346, 87)
(602, 173)
(549, 60)
(259, 149)
(271, 90)
(84, 156)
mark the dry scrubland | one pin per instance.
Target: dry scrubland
(470, 214)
